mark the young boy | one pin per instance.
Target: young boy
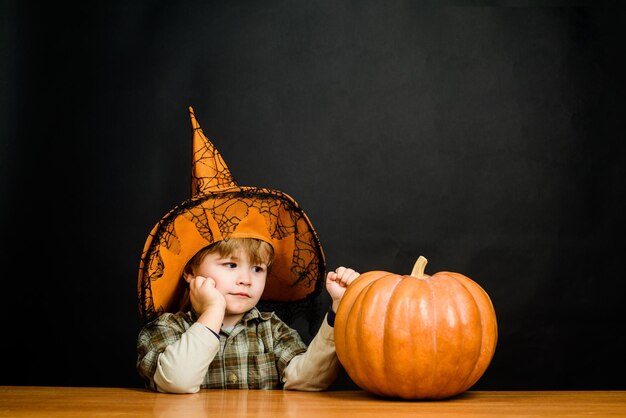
(177, 353)
(204, 268)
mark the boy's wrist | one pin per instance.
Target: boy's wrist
(330, 317)
(212, 318)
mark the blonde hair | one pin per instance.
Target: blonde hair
(259, 252)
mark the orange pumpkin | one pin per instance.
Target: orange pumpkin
(417, 336)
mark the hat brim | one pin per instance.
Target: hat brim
(297, 272)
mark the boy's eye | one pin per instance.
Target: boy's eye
(230, 265)
(258, 269)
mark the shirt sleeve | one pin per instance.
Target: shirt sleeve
(318, 367)
(174, 359)
(181, 368)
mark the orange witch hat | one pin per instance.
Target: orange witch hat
(220, 209)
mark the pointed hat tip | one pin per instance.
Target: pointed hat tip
(192, 116)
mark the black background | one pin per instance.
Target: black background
(486, 136)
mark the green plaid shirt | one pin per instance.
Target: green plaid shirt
(252, 356)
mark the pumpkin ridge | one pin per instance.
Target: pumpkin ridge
(477, 291)
(453, 384)
(373, 296)
(366, 369)
(464, 386)
(433, 308)
(390, 322)
(353, 343)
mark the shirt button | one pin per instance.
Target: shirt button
(232, 378)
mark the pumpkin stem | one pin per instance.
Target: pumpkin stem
(419, 267)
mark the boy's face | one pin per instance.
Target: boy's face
(241, 282)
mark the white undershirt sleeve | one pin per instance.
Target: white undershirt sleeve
(318, 367)
(182, 367)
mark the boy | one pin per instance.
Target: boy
(226, 280)
(204, 268)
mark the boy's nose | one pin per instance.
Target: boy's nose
(245, 277)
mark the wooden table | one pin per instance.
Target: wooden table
(36, 401)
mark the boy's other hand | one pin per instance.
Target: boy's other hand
(337, 281)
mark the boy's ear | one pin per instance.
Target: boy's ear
(188, 277)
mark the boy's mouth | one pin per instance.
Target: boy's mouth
(241, 295)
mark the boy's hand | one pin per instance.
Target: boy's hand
(203, 294)
(336, 283)
(207, 301)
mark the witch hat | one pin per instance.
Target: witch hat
(220, 209)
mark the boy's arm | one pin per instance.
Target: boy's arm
(318, 367)
(173, 354)
(183, 364)
(182, 367)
